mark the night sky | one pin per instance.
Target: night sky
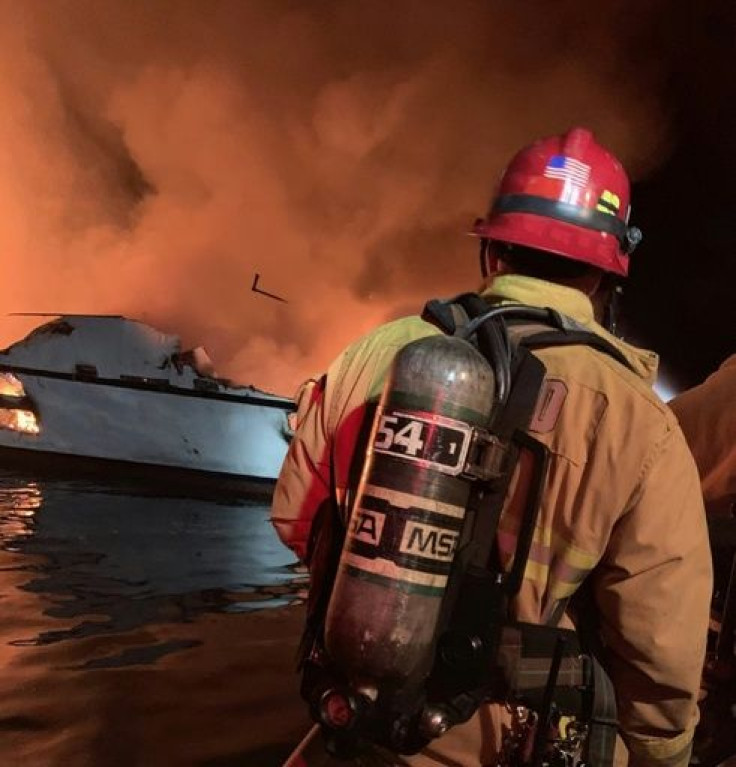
(681, 297)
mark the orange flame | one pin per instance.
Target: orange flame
(16, 419)
(161, 154)
(10, 386)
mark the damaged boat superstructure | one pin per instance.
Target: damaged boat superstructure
(115, 389)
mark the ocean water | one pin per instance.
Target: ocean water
(142, 627)
(149, 626)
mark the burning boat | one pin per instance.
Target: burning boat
(115, 391)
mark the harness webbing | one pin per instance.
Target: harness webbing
(539, 666)
(531, 328)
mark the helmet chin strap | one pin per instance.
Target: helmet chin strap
(612, 308)
(488, 260)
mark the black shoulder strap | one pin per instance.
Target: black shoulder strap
(451, 315)
(454, 315)
(527, 331)
(323, 555)
(574, 338)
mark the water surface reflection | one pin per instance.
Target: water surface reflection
(139, 628)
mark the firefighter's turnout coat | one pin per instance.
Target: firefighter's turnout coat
(707, 415)
(622, 505)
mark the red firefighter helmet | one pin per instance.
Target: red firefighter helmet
(566, 195)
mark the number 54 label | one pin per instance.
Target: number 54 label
(432, 441)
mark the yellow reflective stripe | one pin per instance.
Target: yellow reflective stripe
(561, 590)
(548, 543)
(537, 572)
(574, 555)
(559, 569)
(556, 588)
(543, 535)
(662, 752)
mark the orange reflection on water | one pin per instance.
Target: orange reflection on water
(19, 503)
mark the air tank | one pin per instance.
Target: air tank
(408, 513)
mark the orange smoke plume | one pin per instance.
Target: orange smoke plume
(155, 156)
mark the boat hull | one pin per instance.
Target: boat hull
(132, 478)
(223, 434)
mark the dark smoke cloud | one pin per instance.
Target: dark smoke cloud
(155, 155)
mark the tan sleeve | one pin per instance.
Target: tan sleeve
(653, 589)
(707, 415)
(304, 480)
(330, 415)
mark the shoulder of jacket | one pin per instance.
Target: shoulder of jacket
(390, 335)
(597, 370)
(361, 366)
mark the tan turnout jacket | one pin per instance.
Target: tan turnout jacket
(622, 501)
(707, 415)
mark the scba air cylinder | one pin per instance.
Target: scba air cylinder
(408, 513)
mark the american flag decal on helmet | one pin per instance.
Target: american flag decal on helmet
(567, 169)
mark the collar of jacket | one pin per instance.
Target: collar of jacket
(517, 288)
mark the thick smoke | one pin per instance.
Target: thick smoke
(154, 156)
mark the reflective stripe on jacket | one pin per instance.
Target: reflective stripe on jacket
(622, 499)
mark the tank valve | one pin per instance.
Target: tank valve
(340, 710)
(434, 722)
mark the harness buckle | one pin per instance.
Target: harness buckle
(488, 457)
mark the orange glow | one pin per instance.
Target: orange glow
(16, 419)
(158, 155)
(10, 386)
(26, 422)
(23, 421)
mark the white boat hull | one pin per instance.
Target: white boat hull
(241, 436)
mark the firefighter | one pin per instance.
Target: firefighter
(707, 415)
(622, 508)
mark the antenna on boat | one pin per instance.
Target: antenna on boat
(65, 314)
(254, 287)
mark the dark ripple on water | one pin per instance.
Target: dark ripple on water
(99, 580)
